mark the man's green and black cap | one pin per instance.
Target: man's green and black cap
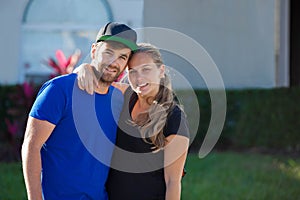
(118, 32)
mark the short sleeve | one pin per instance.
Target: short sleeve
(49, 104)
(176, 123)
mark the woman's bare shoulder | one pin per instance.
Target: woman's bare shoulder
(120, 86)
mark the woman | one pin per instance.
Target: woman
(153, 129)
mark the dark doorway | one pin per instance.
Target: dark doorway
(294, 43)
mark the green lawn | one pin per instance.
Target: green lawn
(11, 182)
(241, 176)
(218, 176)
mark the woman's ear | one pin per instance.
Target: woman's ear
(162, 71)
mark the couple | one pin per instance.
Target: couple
(143, 120)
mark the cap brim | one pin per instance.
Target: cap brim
(128, 43)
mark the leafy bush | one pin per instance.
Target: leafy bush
(15, 102)
(256, 118)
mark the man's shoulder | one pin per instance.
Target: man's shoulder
(64, 78)
(59, 83)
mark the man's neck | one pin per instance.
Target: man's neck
(102, 88)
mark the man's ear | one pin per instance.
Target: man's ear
(93, 50)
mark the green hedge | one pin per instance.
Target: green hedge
(266, 119)
(255, 118)
(15, 103)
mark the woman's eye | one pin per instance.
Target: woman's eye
(146, 69)
(132, 72)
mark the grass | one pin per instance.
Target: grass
(11, 182)
(241, 176)
(226, 175)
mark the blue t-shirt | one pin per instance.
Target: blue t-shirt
(76, 156)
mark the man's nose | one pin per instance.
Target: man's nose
(114, 62)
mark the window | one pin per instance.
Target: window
(51, 25)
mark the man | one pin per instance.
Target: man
(56, 162)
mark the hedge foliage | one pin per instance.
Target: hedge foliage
(266, 119)
(15, 103)
(255, 118)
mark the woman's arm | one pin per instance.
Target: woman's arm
(87, 80)
(175, 153)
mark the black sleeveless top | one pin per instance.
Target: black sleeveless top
(137, 172)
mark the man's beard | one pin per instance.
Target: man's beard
(106, 78)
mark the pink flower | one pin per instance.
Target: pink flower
(63, 65)
(12, 127)
(28, 90)
(62, 61)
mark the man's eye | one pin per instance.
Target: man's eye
(123, 57)
(108, 53)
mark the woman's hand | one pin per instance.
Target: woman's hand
(86, 78)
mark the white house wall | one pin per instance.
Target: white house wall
(238, 34)
(11, 13)
(128, 11)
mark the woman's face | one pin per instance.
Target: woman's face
(144, 75)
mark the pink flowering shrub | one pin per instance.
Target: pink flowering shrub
(16, 102)
(63, 65)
